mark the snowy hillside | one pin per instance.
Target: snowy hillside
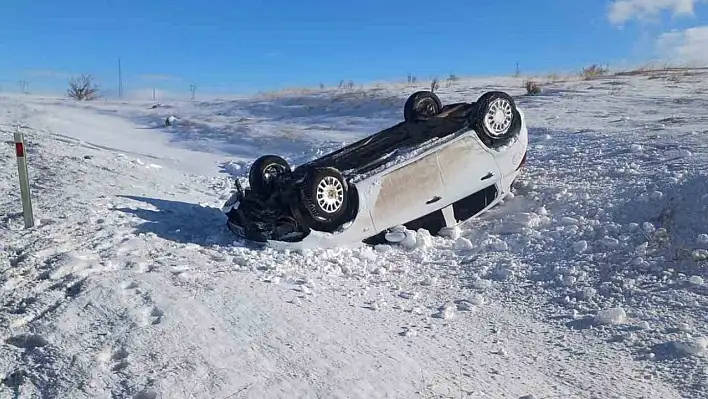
(590, 282)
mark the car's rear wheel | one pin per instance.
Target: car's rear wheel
(264, 170)
(324, 194)
(421, 104)
(496, 119)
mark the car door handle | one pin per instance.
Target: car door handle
(434, 199)
(488, 176)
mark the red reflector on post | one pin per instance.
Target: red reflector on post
(20, 150)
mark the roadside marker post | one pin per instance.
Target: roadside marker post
(21, 153)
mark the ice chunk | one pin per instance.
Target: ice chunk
(610, 241)
(424, 239)
(477, 300)
(696, 280)
(702, 239)
(463, 244)
(409, 241)
(692, 347)
(482, 284)
(450, 232)
(446, 311)
(395, 236)
(611, 316)
(580, 246)
(648, 227)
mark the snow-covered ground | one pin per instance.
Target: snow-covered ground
(590, 282)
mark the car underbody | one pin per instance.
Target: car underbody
(377, 150)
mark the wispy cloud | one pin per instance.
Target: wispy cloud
(684, 46)
(156, 77)
(621, 11)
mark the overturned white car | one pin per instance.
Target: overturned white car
(441, 166)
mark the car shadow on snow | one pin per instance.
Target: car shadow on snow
(181, 222)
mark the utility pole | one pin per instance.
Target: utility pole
(120, 80)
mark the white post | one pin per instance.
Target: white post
(21, 154)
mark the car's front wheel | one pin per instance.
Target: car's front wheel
(496, 119)
(264, 170)
(421, 104)
(324, 194)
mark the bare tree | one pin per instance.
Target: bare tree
(532, 88)
(193, 90)
(434, 84)
(83, 88)
(451, 78)
(594, 71)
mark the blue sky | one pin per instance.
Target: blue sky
(245, 46)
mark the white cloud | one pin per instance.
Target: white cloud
(687, 46)
(623, 10)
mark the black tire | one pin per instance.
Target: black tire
(502, 130)
(324, 214)
(421, 105)
(263, 170)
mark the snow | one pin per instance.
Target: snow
(702, 239)
(611, 316)
(588, 281)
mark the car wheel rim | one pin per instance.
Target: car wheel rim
(271, 171)
(426, 107)
(330, 194)
(499, 116)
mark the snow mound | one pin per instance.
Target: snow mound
(692, 347)
(132, 284)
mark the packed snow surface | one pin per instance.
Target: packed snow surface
(588, 282)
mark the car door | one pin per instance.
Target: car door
(408, 192)
(466, 167)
